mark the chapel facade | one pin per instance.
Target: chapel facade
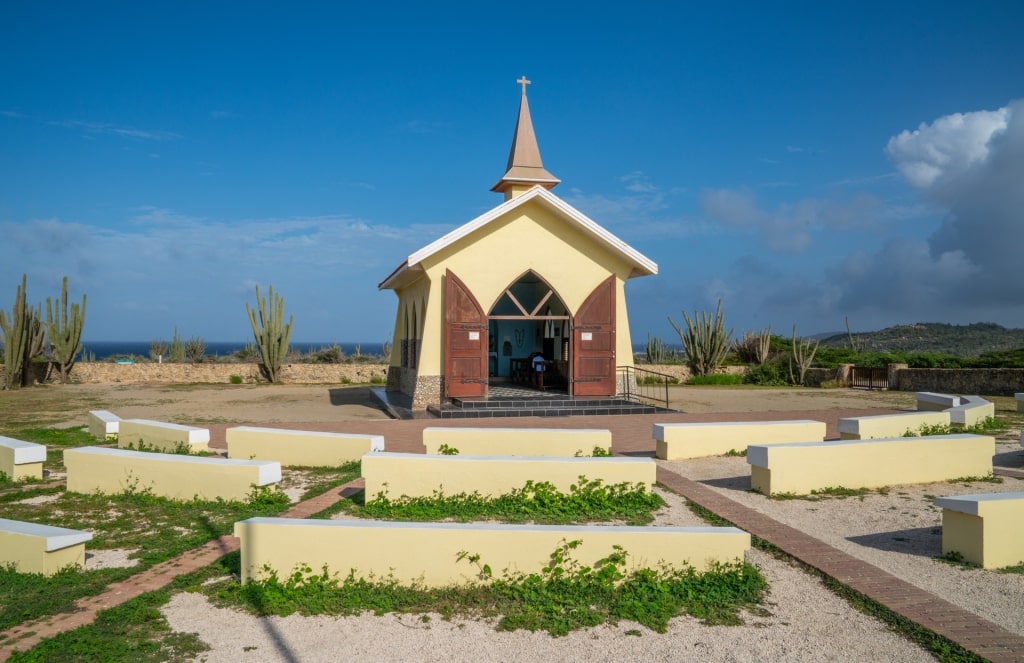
(531, 277)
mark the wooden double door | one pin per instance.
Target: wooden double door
(591, 345)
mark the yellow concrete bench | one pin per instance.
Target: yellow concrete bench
(175, 476)
(428, 552)
(889, 425)
(161, 436)
(517, 441)
(985, 528)
(1019, 397)
(695, 440)
(416, 475)
(805, 466)
(299, 447)
(35, 548)
(933, 402)
(103, 424)
(21, 460)
(972, 411)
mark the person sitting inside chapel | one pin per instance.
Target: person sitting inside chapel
(538, 364)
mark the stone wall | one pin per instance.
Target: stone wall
(988, 381)
(142, 373)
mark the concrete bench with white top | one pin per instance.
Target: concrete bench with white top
(21, 460)
(517, 441)
(430, 553)
(933, 402)
(985, 529)
(973, 410)
(298, 447)
(890, 425)
(175, 476)
(161, 436)
(421, 475)
(805, 466)
(35, 548)
(103, 424)
(695, 440)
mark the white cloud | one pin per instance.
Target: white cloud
(790, 227)
(114, 130)
(948, 147)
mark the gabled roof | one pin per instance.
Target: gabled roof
(642, 266)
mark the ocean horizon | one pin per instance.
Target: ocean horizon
(105, 349)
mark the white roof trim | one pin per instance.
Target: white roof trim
(565, 208)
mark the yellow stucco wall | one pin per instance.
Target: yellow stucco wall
(803, 467)
(98, 469)
(298, 447)
(889, 425)
(34, 548)
(161, 435)
(419, 475)
(496, 255)
(984, 528)
(428, 552)
(21, 460)
(696, 440)
(517, 441)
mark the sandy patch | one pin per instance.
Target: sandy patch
(115, 558)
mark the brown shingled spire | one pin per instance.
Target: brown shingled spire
(524, 165)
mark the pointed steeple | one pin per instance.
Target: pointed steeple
(524, 165)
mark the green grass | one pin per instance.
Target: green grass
(586, 501)
(715, 379)
(561, 597)
(988, 426)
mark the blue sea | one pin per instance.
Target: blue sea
(104, 349)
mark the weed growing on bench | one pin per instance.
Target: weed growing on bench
(596, 452)
(445, 450)
(541, 502)
(562, 597)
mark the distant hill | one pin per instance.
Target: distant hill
(959, 340)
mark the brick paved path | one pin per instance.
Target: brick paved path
(631, 436)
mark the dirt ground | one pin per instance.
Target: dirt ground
(68, 405)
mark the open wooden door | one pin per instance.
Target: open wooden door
(465, 341)
(593, 343)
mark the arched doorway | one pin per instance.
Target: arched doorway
(529, 317)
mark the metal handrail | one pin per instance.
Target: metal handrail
(643, 386)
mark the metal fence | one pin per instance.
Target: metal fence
(643, 386)
(869, 377)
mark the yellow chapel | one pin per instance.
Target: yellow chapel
(532, 280)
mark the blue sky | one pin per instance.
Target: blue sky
(804, 162)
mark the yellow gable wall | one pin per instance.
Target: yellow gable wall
(493, 257)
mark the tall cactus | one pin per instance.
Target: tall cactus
(705, 340)
(18, 331)
(64, 328)
(271, 334)
(803, 355)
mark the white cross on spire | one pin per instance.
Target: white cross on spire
(522, 81)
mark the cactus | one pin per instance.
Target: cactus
(270, 332)
(157, 349)
(195, 349)
(16, 331)
(803, 354)
(176, 350)
(656, 352)
(754, 348)
(64, 328)
(705, 340)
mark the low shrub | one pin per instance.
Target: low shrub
(715, 379)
